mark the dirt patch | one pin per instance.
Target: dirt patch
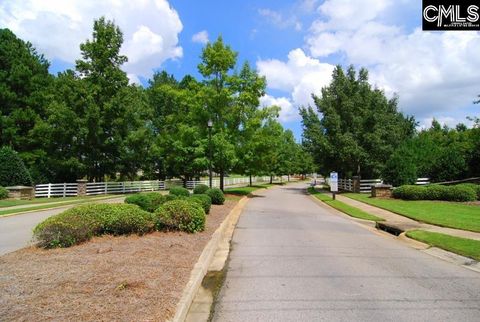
(128, 278)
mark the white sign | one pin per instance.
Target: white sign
(333, 182)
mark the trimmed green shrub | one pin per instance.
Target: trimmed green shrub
(3, 193)
(204, 200)
(436, 192)
(200, 189)
(81, 223)
(475, 187)
(184, 215)
(460, 193)
(218, 198)
(12, 169)
(179, 191)
(410, 192)
(147, 201)
(172, 197)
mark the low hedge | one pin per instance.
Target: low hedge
(179, 191)
(3, 193)
(218, 198)
(182, 214)
(204, 200)
(460, 193)
(475, 187)
(147, 201)
(200, 189)
(409, 192)
(81, 223)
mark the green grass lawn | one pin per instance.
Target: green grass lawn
(244, 191)
(349, 210)
(11, 203)
(45, 204)
(462, 246)
(440, 213)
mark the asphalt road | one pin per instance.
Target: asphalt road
(16, 231)
(292, 260)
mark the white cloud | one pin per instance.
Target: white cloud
(57, 27)
(279, 20)
(300, 76)
(287, 113)
(201, 37)
(433, 73)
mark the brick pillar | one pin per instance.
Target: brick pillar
(356, 184)
(81, 187)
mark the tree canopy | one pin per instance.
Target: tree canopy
(90, 122)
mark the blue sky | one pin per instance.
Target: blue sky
(295, 44)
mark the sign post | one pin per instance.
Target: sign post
(333, 183)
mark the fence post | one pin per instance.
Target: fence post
(356, 184)
(64, 189)
(81, 187)
(49, 189)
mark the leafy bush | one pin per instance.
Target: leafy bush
(460, 193)
(147, 201)
(204, 200)
(200, 189)
(475, 187)
(218, 198)
(436, 192)
(185, 215)
(3, 193)
(400, 169)
(179, 191)
(410, 192)
(12, 169)
(81, 223)
(172, 197)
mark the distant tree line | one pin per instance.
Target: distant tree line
(90, 122)
(355, 130)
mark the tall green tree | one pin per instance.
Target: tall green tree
(24, 87)
(359, 127)
(115, 106)
(231, 99)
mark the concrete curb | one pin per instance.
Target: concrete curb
(201, 267)
(363, 222)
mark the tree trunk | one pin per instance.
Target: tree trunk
(222, 175)
(250, 180)
(271, 179)
(288, 178)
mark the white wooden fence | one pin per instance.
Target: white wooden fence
(366, 184)
(56, 190)
(96, 188)
(229, 181)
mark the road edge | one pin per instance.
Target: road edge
(442, 254)
(206, 258)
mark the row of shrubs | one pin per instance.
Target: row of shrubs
(204, 197)
(3, 193)
(461, 192)
(143, 213)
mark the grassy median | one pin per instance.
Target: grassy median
(440, 213)
(462, 246)
(245, 191)
(347, 209)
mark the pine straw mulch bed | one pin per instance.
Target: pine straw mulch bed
(127, 278)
